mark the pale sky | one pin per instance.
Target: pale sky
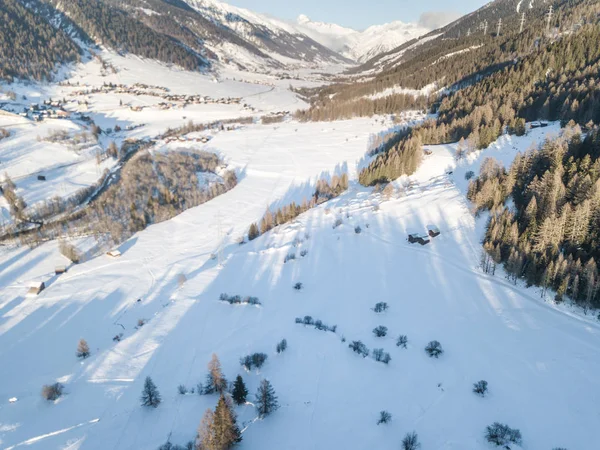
(358, 14)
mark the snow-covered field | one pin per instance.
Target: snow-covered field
(26, 154)
(540, 362)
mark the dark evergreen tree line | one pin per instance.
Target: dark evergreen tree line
(563, 73)
(114, 28)
(361, 107)
(29, 46)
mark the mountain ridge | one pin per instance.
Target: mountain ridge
(362, 45)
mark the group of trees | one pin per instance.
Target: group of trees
(15, 202)
(361, 107)
(318, 324)
(551, 236)
(255, 360)
(153, 188)
(402, 159)
(560, 81)
(218, 429)
(114, 28)
(30, 46)
(239, 300)
(456, 56)
(191, 127)
(324, 191)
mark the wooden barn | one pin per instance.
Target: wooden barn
(422, 239)
(36, 288)
(433, 231)
(114, 253)
(538, 124)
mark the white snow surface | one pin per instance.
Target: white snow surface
(426, 90)
(540, 361)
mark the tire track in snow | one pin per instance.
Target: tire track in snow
(482, 276)
(33, 440)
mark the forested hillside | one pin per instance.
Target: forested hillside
(460, 53)
(190, 34)
(551, 236)
(113, 28)
(29, 46)
(556, 82)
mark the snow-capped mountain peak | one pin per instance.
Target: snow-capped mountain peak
(360, 45)
(275, 38)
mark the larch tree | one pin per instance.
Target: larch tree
(206, 432)
(215, 381)
(83, 350)
(253, 232)
(227, 432)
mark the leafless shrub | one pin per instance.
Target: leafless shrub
(52, 392)
(69, 251)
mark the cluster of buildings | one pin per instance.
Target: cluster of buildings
(424, 238)
(156, 91)
(48, 110)
(201, 139)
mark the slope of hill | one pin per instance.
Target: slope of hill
(356, 302)
(453, 57)
(489, 328)
(274, 37)
(363, 45)
(29, 45)
(193, 35)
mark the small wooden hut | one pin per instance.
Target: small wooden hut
(36, 288)
(433, 231)
(114, 253)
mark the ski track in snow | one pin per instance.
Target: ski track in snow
(54, 433)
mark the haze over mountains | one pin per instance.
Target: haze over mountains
(360, 45)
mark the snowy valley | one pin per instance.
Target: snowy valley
(244, 234)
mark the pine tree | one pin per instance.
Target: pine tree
(240, 392)
(83, 350)
(226, 430)
(150, 394)
(215, 380)
(266, 400)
